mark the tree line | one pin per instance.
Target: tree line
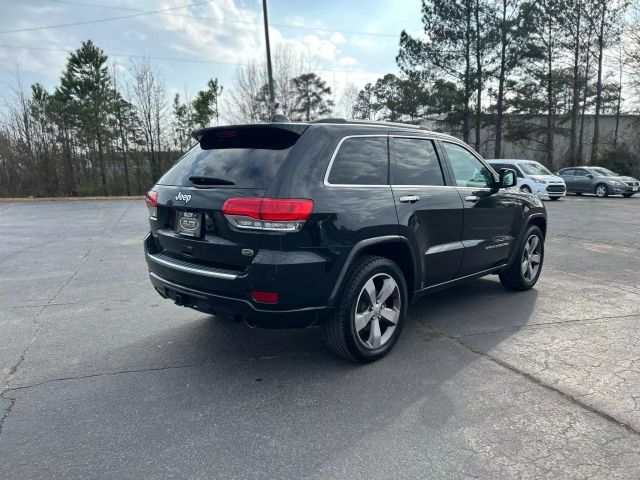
(100, 132)
(478, 66)
(497, 64)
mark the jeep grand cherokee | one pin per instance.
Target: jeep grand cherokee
(335, 223)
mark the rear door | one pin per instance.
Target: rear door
(430, 212)
(568, 176)
(489, 218)
(226, 163)
(581, 181)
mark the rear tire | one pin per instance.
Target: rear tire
(601, 190)
(361, 330)
(525, 270)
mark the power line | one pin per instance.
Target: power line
(167, 59)
(103, 20)
(241, 22)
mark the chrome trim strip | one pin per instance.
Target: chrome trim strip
(480, 273)
(194, 270)
(444, 247)
(333, 157)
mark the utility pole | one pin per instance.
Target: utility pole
(272, 100)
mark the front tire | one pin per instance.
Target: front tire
(554, 198)
(370, 312)
(525, 270)
(601, 190)
(627, 195)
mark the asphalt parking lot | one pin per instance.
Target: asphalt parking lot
(101, 378)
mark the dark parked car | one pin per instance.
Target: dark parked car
(599, 181)
(337, 224)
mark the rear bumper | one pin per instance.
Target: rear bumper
(228, 292)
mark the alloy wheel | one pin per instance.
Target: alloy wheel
(377, 311)
(531, 258)
(601, 190)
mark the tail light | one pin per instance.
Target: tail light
(272, 214)
(151, 199)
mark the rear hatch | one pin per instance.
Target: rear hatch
(227, 162)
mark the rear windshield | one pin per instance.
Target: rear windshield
(239, 158)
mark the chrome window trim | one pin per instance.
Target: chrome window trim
(335, 153)
(423, 186)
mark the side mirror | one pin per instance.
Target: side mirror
(589, 175)
(508, 178)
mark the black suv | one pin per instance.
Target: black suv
(335, 223)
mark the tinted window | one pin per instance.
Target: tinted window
(580, 172)
(361, 161)
(416, 162)
(468, 171)
(249, 157)
(567, 173)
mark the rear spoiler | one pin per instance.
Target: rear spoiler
(293, 127)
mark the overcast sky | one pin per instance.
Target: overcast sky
(346, 40)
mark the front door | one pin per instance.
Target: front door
(489, 217)
(430, 212)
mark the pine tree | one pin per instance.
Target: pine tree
(311, 95)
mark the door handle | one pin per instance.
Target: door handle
(471, 198)
(409, 199)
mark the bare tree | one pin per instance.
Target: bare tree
(347, 100)
(147, 93)
(248, 100)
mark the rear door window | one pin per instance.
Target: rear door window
(360, 161)
(416, 162)
(567, 173)
(239, 158)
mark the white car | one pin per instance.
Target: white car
(533, 177)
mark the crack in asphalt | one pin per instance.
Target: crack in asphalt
(22, 356)
(537, 381)
(7, 410)
(106, 374)
(526, 326)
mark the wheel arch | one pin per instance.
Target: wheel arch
(539, 222)
(393, 247)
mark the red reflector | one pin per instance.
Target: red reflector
(151, 198)
(265, 297)
(273, 209)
